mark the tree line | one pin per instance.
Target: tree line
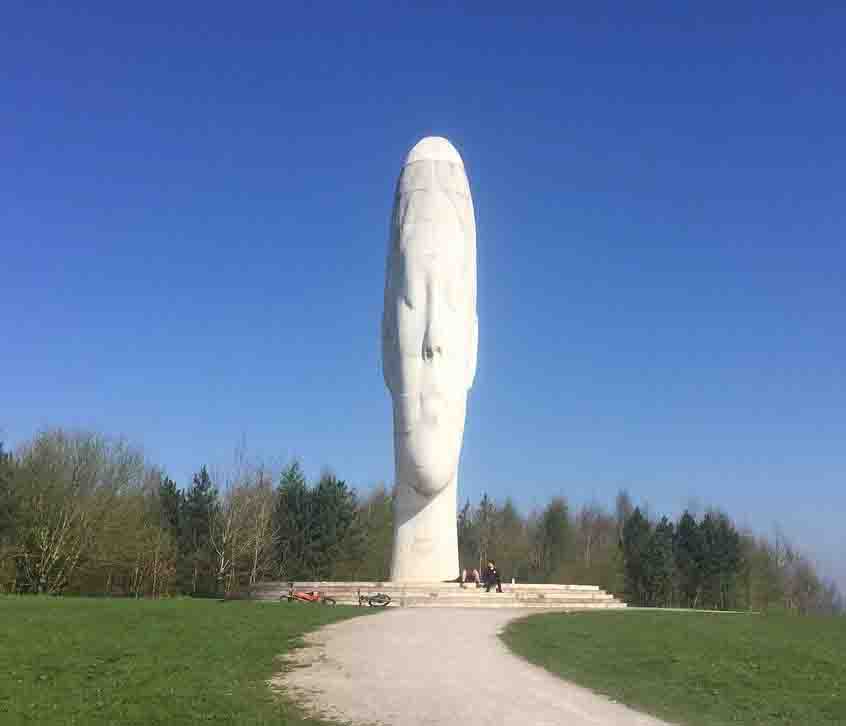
(82, 513)
(698, 562)
(708, 563)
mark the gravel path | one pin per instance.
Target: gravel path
(437, 667)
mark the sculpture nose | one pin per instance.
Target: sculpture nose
(432, 348)
(433, 345)
(429, 351)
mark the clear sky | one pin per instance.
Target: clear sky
(194, 204)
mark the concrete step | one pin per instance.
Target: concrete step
(442, 602)
(423, 597)
(455, 589)
(340, 590)
(449, 594)
(382, 586)
(499, 604)
(340, 586)
(492, 598)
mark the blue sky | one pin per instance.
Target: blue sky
(194, 208)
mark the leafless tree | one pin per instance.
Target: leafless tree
(590, 520)
(70, 483)
(226, 523)
(262, 533)
(241, 526)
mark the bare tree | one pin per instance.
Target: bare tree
(69, 485)
(262, 533)
(241, 525)
(226, 523)
(590, 521)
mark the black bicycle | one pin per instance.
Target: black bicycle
(376, 600)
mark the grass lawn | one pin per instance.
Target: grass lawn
(698, 669)
(91, 662)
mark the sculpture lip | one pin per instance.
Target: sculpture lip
(433, 148)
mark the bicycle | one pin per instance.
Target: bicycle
(313, 596)
(378, 600)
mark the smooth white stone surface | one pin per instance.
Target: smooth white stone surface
(429, 347)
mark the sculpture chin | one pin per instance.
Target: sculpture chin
(428, 483)
(429, 458)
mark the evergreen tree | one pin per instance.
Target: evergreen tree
(554, 533)
(623, 509)
(732, 562)
(660, 564)
(319, 532)
(339, 537)
(293, 523)
(721, 560)
(194, 571)
(689, 560)
(637, 533)
(377, 518)
(169, 500)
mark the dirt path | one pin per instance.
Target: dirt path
(438, 667)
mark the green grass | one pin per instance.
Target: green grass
(92, 662)
(698, 669)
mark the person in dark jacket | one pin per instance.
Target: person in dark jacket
(491, 577)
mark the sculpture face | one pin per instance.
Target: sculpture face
(429, 327)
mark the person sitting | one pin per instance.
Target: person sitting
(471, 576)
(492, 578)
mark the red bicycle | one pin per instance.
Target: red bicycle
(314, 596)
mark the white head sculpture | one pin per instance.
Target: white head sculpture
(429, 345)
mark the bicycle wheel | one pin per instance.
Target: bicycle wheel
(379, 600)
(329, 601)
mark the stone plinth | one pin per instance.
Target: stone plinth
(451, 594)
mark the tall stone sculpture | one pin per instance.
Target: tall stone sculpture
(429, 347)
